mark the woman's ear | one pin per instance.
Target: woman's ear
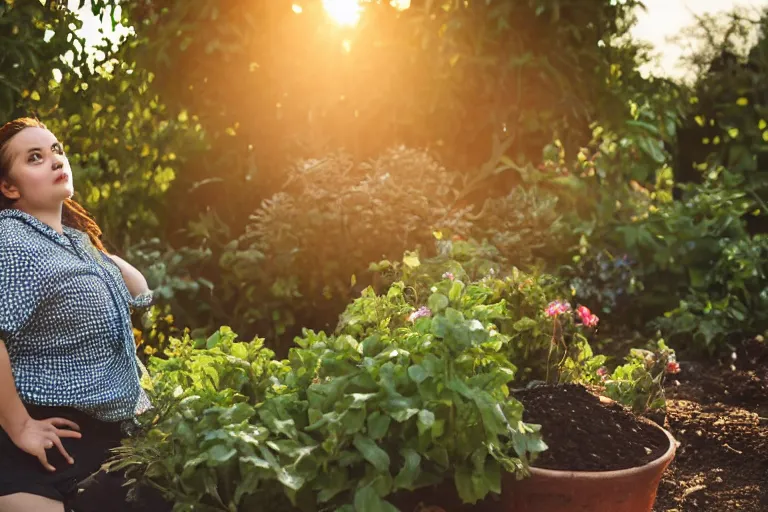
(9, 191)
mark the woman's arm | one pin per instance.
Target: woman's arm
(134, 279)
(30, 435)
(13, 415)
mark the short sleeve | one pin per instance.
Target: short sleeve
(21, 289)
(142, 301)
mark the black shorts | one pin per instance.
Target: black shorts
(81, 486)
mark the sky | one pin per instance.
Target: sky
(662, 20)
(665, 18)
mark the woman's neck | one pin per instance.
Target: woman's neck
(50, 217)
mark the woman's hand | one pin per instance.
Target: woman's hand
(36, 436)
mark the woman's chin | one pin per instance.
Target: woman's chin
(65, 193)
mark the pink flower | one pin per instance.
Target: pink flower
(602, 372)
(673, 367)
(449, 276)
(423, 311)
(586, 316)
(556, 308)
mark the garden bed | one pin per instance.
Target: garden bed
(719, 414)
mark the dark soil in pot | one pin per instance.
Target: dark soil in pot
(585, 434)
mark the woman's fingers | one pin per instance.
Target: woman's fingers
(68, 433)
(44, 461)
(49, 433)
(56, 441)
(63, 422)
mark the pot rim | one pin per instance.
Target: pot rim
(649, 467)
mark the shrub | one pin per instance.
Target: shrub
(605, 280)
(698, 249)
(526, 227)
(305, 249)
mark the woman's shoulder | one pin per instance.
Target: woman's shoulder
(13, 234)
(16, 239)
(14, 224)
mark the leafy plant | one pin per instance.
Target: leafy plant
(347, 421)
(204, 393)
(639, 383)
(476, 278)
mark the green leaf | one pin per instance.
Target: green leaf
(331, 483)
(645, 126)
(211, 372)
(360, 399)
(220, 454)
(238, 413)
(239, 350)
(404, 414)
(255, 461)
(426, 420)
(440, 326)
(437, 302)
(455, 293)
(652, 148)
(411, 259)
(493, 475)
(462, 478)
(410, 471)
(368, 500)
(439, 454)
(290, 478)
(371, 452)
(524, 324)
(353, 421)
(417, 373)
(378, 424)
(213, 340)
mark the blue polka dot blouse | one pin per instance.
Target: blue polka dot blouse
(65, 319)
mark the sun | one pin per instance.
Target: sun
(347, 12)
(343, 12)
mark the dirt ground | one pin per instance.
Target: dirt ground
(719, 413)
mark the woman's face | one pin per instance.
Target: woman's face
(39, 176)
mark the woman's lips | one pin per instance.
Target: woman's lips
(63, 178)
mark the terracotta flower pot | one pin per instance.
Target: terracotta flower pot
(626, 490)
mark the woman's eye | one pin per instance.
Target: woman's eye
(35, 157)
(58, 148)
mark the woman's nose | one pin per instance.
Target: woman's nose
(58, 162)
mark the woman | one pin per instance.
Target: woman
(69, 375)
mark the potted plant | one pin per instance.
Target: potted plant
(600, 457)
(522, 309)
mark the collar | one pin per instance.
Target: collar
(69, 235)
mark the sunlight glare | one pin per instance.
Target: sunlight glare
(343, 12)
